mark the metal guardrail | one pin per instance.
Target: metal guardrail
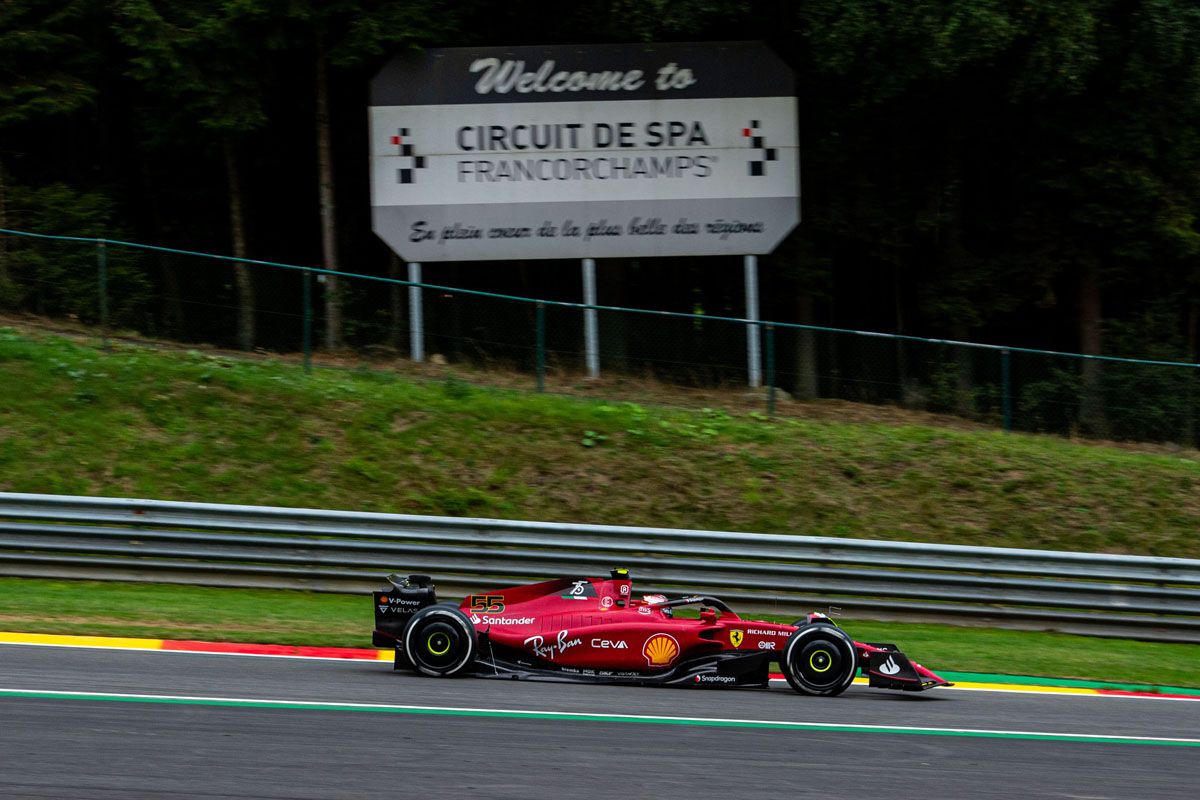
(63, 536)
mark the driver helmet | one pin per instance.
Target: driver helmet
(655, 599)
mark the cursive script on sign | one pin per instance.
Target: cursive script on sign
(510, 75)
(556, 648)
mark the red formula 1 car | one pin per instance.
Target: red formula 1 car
(592, 630)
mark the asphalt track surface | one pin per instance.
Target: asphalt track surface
(184, 725)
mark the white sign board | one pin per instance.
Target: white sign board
(584, 152)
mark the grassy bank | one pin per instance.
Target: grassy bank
(144, 422)
(301, 618)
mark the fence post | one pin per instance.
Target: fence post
(770, 370)
(541, 347)
(102, 280)
(308, 320)
(1006, 388)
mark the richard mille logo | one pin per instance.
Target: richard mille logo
(409, 161)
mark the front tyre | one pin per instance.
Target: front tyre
(819, 660)
(440, 641)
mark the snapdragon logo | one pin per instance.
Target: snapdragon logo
(715, 679)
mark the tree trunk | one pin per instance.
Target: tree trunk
(333, 308)
(457, 339)
(902, 383)
(5, 278)
(964, 388)
(397, 336)
(1193, 346)
(806, 349)
(172, 308)
(1092, 418)
(237, 227)
(614, 327)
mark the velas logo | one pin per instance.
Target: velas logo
(760, 154)
(410, 162)
(660, 650)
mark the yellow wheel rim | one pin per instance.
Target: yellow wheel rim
(812, 661)
(436, 641)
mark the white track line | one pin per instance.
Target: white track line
(588, 716)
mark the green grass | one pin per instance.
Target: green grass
(302, 618)
(141, 422)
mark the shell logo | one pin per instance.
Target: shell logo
(660, 650)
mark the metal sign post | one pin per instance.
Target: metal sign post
(753, 334)
(416, 322)
(591, 335)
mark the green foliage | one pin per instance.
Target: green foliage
(1151, 403)
(1050, 405)
(965, 161)
(193, 426)
(206, 56)
(61, 278)
(45, 62)
(591, 439)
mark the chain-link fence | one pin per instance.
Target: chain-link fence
(199, 297)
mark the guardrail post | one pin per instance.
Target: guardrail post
(102, 280)
(308, 320)
(1006, 387)
(541, 347)
(770, 370)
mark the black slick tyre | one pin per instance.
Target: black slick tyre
(819, 660)
(440, 641)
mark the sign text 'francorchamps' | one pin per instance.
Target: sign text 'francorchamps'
(584, 152)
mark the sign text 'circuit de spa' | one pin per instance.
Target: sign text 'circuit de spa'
(584, 152)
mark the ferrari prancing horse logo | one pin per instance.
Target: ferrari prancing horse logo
(735, 638)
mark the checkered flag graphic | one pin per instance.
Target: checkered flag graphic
(758, 165)
(409, 162)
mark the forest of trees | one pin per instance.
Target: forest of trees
(988, 170)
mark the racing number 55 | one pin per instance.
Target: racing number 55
(487, 603)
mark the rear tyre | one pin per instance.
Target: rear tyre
(440, 641)
(819, 660)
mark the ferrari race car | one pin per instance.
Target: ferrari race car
(593, 630)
